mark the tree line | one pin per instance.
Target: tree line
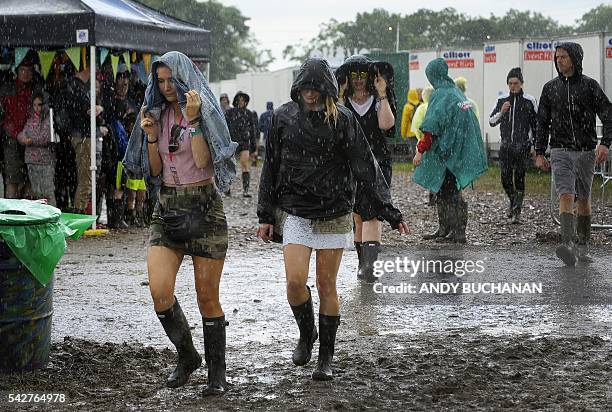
(425, 29)
(235, 50)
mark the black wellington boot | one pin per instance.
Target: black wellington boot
(457, 218)
(369, 252)
(119, 209)
(359, 250)
(567, 250)
(246, 182)
(304, 316)
(214, 354)
(512, 198)
(111, 215)
(518, 206)
(451, 219)
(443, 228)
(583, 230)
(462, 218)
(175, 324)
(432, 199)
(328, 325)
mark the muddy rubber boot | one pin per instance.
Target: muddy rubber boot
(442, 221)
(458, 217)
(119, 209)
(462, 218)
(512, 198)
(517, 207)
(567, 250)
(451, 210)
(246, 182)
(214, 354)
(369, 252)
(175, 324)
(304, 316)
(111, 215)
(583, 230)
(359, 250)
(328, 325)
(140, 218)
(432, 201)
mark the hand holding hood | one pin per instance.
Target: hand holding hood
(186, 76)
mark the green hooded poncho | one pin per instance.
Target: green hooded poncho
(457, 144)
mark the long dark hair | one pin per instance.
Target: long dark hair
(43, 110)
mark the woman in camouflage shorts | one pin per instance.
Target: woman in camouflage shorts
(188, 217)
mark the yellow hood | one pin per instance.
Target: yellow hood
(413, 97)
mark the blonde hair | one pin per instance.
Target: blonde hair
(461, 83)
(331, 111)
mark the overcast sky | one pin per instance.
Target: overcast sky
(278, 23)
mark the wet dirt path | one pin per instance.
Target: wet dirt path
(407, 351)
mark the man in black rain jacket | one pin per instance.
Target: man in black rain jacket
(567, 110)
(516, 114)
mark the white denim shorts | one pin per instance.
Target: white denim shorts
(300, 231)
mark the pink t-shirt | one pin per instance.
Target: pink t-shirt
(179, 167)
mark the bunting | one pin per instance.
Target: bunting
(74, 54)
(115, 64)
(46, 58)
(126, 60)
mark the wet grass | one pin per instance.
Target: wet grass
(536, 182)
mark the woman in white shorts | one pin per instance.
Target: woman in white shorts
(315, 153)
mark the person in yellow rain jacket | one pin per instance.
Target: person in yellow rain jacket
(414, 99)
(419, 114)
(461, 83)
(417, 121)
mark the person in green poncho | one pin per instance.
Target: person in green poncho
(451, 154)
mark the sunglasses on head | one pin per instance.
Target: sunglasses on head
(359, 75)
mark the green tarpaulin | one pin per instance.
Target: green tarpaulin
(36, 234)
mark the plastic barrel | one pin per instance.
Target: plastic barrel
(26, 309)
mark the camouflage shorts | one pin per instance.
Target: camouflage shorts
(213, 227)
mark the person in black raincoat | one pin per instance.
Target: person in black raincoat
(254, 139)
(516, 113)
(566, 116)
(242, 129)
(367, 91)
(315, 153)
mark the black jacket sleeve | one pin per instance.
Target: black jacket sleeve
(254, 133)
(603, 108)
(365, 168)
(543, 123)
(267, 200)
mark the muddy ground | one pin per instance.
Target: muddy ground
(432, 351)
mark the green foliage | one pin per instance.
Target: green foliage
(430, 29)
(597, 19)
(233, 48)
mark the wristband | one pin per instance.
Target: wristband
(195, 121)
(380, 99)
(152, 142)
(195, 131)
